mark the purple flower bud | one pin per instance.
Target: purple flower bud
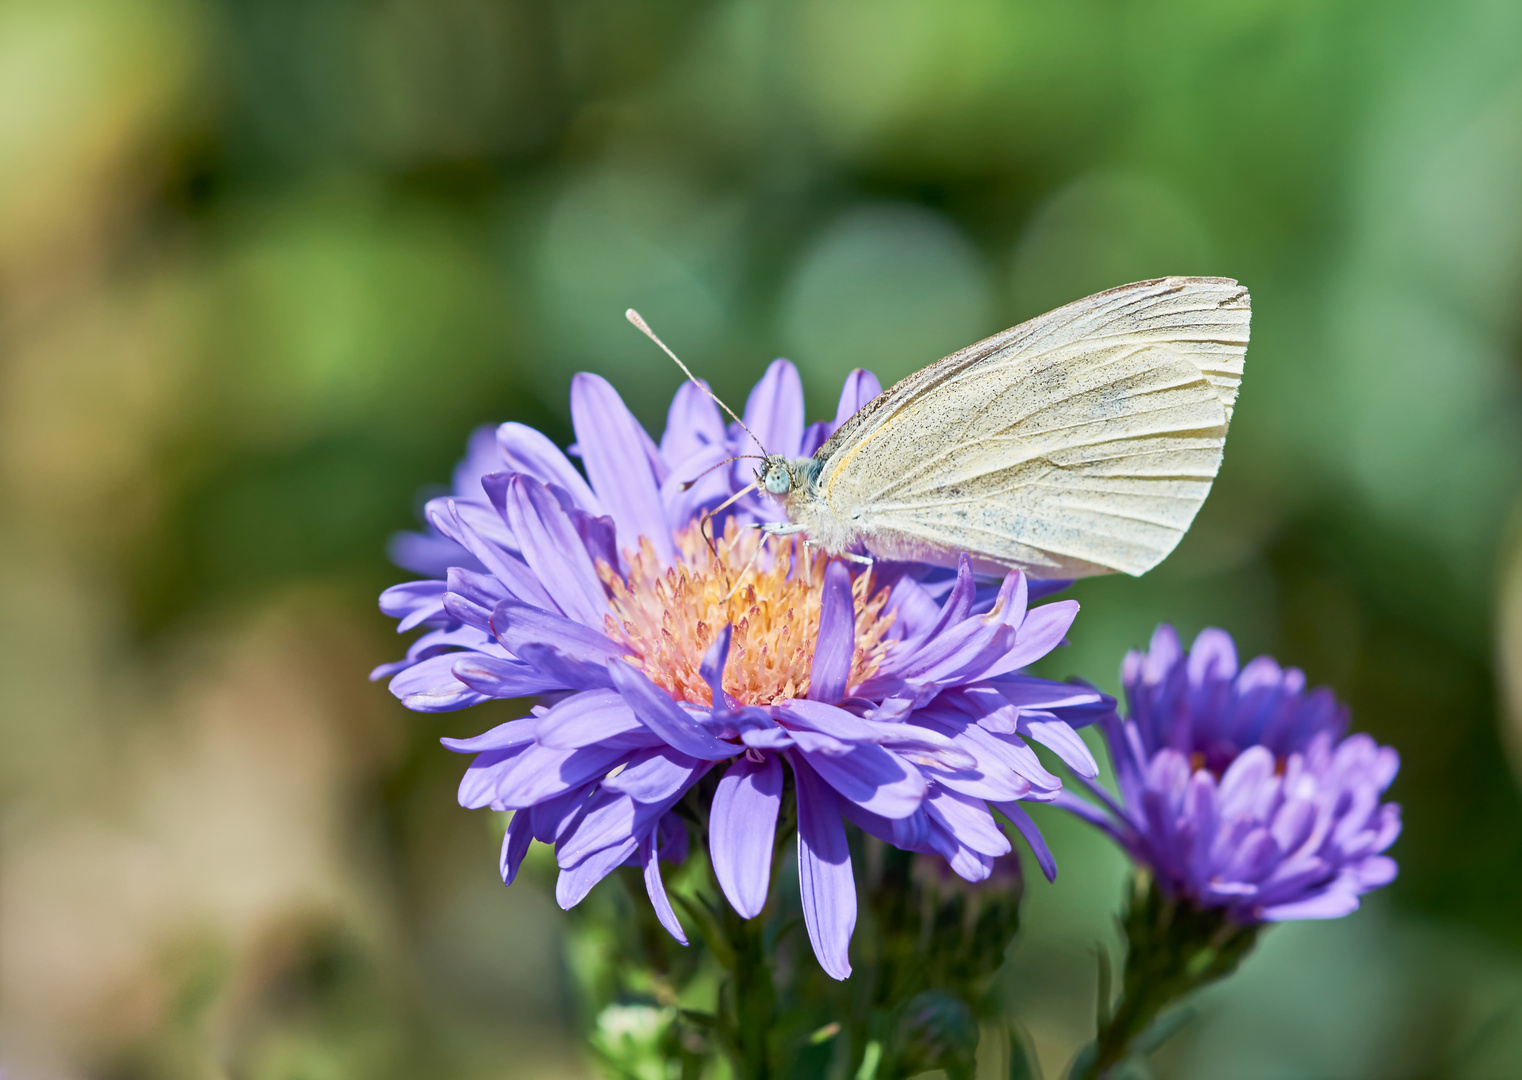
(1238, 788)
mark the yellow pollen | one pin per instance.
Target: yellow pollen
(668, 617)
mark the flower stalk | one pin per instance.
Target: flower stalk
(1174, 948)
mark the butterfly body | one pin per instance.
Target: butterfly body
(1081, 442)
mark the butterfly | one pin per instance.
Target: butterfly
(1081, 442)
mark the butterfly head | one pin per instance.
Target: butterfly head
(775, 475)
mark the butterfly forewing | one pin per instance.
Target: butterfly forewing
(1081, 442)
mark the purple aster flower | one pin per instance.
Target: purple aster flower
(1238, 788)
(894, 696)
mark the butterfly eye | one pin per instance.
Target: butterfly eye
(778, 480)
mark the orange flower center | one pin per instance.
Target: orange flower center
(668, 617)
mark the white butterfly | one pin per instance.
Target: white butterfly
(1081, 442)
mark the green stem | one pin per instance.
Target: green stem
(754, 996)
(751, 1014)
(1174, 949)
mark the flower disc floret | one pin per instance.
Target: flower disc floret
(668, 617)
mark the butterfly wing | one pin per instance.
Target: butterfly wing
(1080, 442)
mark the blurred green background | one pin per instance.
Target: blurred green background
(264, 264)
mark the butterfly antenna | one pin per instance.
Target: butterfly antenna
(644, 327)
(686, 485)
(707, 531)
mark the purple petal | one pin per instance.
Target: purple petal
(1254, 858)
(771, 413)
(1241, 784)
(621, 463)
(481, 589)
(517, 624)
(657, 888)
(1200, 809)
(710, 485)
(481, 457)
(593, 717)
(1332, 904)
(824, 872)
(1293, 823)
(430, 686)
(655, 775)
(913, 608)
(543, 772)
(412, 602)
(973, 648)
(1004, 761)
(664, 717)
(478, 787)
(502, 678)
(861, 386)
(815, 742)
(506, 736)
(437, 643)
(461, 609)
(1012, 603)
(908, 834)
(1376, 871)
(604, 820)
(968, 820)
(1389, 826)
(1063, 741)
(835, 646)
(1041, 631)
(1022, 821)
(1212, 656)
(966, 863)
(673, 839)
(608, 819)
(828, 719)
(876, 779)
(617, 812)
(527, 451)
(551, 819)
(712, 669)
(428, 553)
(574, 884)
(1163, 652)
(1028, 692)
(693, 423)
(814, 436)
(481, 516)
(567, 672)
(927, 747)
(959, 600)
(774, 411)
(741, 829)
(990, 777)
(444, 514)
(775, 737)
(554, 551)
(598, 534)
(514, 846)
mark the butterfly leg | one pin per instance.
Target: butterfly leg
(863, 560)
(783, 528)
(754, 555)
